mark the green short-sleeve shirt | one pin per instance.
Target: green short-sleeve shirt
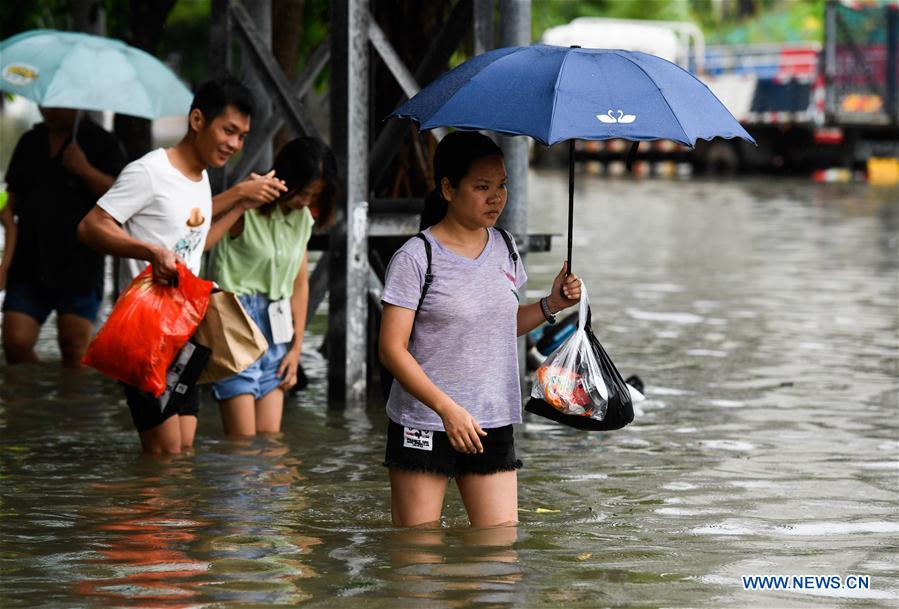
(265, 258)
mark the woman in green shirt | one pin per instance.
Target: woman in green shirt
(264, 261)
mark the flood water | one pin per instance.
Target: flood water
(762, 316)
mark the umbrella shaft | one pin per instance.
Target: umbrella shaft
(570, 199)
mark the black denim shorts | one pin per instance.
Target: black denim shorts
(430, 451)
(145, 410)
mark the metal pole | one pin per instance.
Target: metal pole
(515, 25)
(515, 19)
(348, 247)
(261, 13)
(830, 60)
(483, 26)
(892, 96)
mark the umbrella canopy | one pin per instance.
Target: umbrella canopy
(565, 93)
(559, 93)
(75, 70)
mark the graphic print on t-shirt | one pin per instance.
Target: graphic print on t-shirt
(189, 243)
(509, 272)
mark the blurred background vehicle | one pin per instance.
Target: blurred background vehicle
(810, 105)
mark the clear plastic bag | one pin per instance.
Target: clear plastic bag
(579, 386)
(570, 379)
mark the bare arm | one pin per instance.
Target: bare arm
(531, 315)
(227, 199)
(222, 224)
(228, 206)
(74, 159)
(12, 231)
(299, 302)
(103, 233)
(253, 191)
(396, 327)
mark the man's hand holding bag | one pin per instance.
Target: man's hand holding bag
(147, 327)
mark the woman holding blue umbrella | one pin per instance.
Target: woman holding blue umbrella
(554, 94)
(452, 314)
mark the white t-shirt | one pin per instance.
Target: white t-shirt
(156, 203)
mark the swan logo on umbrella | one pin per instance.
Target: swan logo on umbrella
(20, 74)
(621, 118)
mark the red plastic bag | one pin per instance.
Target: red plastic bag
(148, 325)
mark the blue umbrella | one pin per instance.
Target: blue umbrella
(565, 93)
(75, 70)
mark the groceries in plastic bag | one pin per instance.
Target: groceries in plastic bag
(148, 326)
(578, 385)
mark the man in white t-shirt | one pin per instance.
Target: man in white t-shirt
(159, 211)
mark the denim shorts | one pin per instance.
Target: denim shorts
(37, 302)
(260, 378)
(421, 450)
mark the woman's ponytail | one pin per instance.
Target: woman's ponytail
(434, 210)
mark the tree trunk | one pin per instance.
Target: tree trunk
(88, 16)
(746, 8)
(146, 21)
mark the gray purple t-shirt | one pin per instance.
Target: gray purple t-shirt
(464, 336)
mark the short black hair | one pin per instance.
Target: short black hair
(213, 96)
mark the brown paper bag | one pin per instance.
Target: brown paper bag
(234, 338)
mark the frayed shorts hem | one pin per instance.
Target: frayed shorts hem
(426, 469)
(421, 450)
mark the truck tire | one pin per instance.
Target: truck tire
(720, 158)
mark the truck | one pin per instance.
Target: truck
(809, 105)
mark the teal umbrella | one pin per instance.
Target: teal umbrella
(75, 70)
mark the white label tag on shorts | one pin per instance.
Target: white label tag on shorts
(173, 375)
(281, 319)
(422, 439)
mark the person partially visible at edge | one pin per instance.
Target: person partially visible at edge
(159, 212)
(264, 260)
(457, 393)
(54, 178)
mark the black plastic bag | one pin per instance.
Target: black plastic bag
(578, 362)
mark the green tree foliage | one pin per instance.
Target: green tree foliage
(16, 17)
(774, 21)
(722, 21)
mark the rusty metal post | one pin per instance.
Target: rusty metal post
(348, 248)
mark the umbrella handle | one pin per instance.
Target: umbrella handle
(570, 199)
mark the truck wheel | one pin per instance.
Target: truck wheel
(721, 158)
